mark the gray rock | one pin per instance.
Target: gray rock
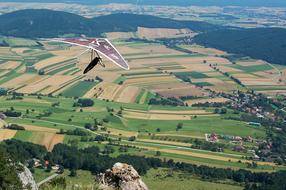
(121, 176)
(27, 179)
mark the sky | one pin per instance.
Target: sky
(268, 3)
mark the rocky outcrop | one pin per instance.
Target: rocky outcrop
(27, 179)
(123, 177)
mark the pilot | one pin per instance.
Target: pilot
(92, 64)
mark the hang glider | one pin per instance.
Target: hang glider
(94, 46)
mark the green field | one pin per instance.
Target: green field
(79, 89)
(203, 84)
(163, 179)
(18, 42)
(254, 68)
(190, 75)
(61, 115)
(23, 135)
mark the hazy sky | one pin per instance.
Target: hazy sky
(174, 2)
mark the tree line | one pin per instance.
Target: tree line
(91, 159)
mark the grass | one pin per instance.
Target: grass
(253, 68)
(211, 162)
(23, 135)
(41, 174)
(203, 84)
(202, 125)
(84, 179)
(19, 42)
(186, 75)
(79, 89)
(162, 179)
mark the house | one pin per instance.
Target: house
(237, 138)
(55, 167)
(213, 137)
(37, 162)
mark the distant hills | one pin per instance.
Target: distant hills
(33, 23)
(268, 44)
(257, 3)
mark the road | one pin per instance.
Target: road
(47, 179)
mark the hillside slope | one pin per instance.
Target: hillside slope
(48, 23)
(268, 44)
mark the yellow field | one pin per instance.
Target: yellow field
(7, 134)
(9, 65)
(151, 33)
(24, 79)
(49, 140)
(39, 129)
(128, 94)
(49, 61)
(203, 50)
(48, 83)
(120, 35)
(5, 51)
(19, 50)
(154, 33)
(209, 100)
(2, 73)
(122, 133)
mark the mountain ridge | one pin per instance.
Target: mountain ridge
(33, 23)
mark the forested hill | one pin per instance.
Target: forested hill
(268, 44)
(47, 23)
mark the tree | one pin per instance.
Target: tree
(132, 138)
(85, 102)
(8, 173)
(41, 72)
(216, 111)
(73, 173)
(223, 111)
(158, 153)
(179, 126)
(158, 130)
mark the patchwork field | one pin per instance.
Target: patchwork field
(51, 79)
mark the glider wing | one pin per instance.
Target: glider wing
(102, 45)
